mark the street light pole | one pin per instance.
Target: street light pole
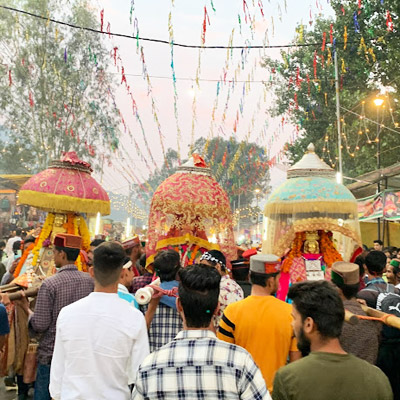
(340, 180)
(378, 103)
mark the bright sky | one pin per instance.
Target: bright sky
(187, 22)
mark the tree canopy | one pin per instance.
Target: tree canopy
(54, 88)
(365, 37)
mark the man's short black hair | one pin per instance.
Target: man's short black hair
(71, 254)
(240, 273)
(166, 264)
(261, 279)
(29, 239)
(360, 261)
(108, 259)
(198, 294)
(320, 301)
(142, 260)
(96, 242)
(16, 245)
(375, 262)
(379, 242)
(18, 232)
(349, 291)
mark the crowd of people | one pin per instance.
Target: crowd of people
(218, 333)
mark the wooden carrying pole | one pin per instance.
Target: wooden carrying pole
(388, 319)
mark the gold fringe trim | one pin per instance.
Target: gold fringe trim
(176, 241)
(186, 239)
(285, 241)
(62, 204)
(310, 206)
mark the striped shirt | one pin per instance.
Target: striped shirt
(197, 365)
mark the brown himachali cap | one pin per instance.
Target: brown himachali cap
(68, 241)
(265, 264)
(131, 242)
(345, 272)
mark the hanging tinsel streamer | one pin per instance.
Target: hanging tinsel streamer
(260, 5)
(212, 6)
(315, 64)
(31, 102)
(389, 22)
(331, 33)
(345, 38)
(323, 41)
(9, 78)
(101, 19)
(178, 129)
(205, 20)
(131, 10)
(356, 24)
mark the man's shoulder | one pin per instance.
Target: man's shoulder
(224, 353)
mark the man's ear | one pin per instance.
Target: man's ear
(91, 271)
(309, 325)
(216, 311)
(122, 274)
(179, 305)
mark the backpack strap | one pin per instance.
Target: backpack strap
(390, 288)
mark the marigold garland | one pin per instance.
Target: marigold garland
(24, 257)
(44, 234)
(69, 226)
(295, 251)
(85, 234)
(328, 249)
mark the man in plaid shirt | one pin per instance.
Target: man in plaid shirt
(162, 318)
(65, 287)
(197, 365)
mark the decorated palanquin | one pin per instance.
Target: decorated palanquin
(64, 190)
(191, 214)
(310, 221)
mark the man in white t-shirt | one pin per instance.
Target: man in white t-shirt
(101, 339)
(14, 238)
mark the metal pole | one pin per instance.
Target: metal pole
(238, 224)
(378, 161)
(338, 117)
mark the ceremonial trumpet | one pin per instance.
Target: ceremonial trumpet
(374, 315)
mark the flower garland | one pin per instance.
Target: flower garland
(69, 226)
(44, 234)
(24, 257)
(328, 249)
(85, 234)
(83, 230)
(295, 251)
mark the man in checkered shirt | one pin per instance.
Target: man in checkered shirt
(197, 365)
(162, 318)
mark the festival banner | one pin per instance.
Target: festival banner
(370, 208)
(384, 205)
(391, 207)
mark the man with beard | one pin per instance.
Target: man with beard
(261, 323)
(328, 372)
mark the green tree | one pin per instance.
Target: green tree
(304, 84)
(53, 85)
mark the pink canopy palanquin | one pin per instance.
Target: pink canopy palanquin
(190, 212)
(66, 186)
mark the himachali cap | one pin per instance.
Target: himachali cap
(345, 273)
(265, 264)
(131, 242)
(250, 252)
(68, 241)
(240, 264)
